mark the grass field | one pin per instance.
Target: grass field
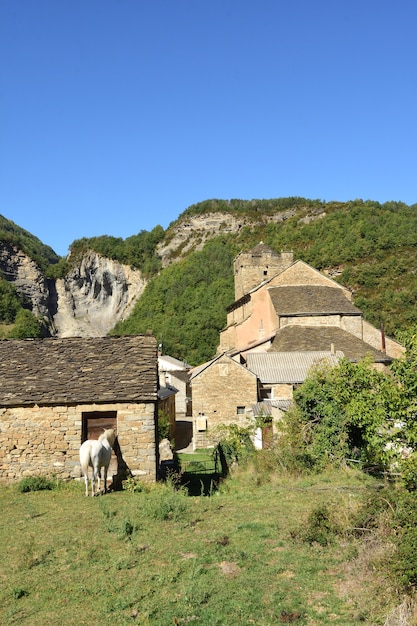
(255, 552)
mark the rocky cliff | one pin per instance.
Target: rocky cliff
(98, 292)
(94, 296)
(88, 302)
(190, 233)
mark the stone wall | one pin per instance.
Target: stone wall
(251, 269)
(46, 440)
(217, 392)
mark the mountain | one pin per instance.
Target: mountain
(178, 282)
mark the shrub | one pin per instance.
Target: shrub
(133, 485)
(409, 472)
(403, 561)
(35, 483)
(166, 502)
(319, 527)
(236, 443)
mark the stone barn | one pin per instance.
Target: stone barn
(55, 393)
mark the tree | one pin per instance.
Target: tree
(347, 412)
(405, 371)
(26, 326)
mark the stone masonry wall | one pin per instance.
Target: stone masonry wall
(46, 440)
(217, 392)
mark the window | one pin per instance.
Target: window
(266, 393)
(240, 410)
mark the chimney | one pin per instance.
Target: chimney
(383, 337)
(332, 350)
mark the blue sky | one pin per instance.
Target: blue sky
(116, 115)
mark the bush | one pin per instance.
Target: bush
(35, 483)
(319, 527)
(235, 443)
(403, 561)
(409, 472)
(166, 502)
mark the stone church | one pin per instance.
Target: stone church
(286, 318)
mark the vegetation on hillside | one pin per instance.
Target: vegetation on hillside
(250, 208)
(29, 244)
(138, 251)
(369, 247)
(16, 317)
(184, 306)
(373, 247)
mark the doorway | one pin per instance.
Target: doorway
(93, 425)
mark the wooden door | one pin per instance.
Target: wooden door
(93, 425)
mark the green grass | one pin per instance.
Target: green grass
(159, 557)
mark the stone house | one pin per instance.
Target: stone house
(174, 373)
(223, 392)
(279, 373)
(55, 393)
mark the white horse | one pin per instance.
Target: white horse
(96, 453)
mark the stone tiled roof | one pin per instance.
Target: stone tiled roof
(263, 248)
(311, 300)
(78, 371)
(287, 367)
(312, 338)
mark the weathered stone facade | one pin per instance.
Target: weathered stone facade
(252, 268)
(297, 295)
(55, 393)
(45, 440)
(223, 393)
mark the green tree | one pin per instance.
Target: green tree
(347, 412)
(405, 371)
(26, 326)
(10, 302)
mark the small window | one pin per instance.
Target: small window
(240, 410)
(266, 393)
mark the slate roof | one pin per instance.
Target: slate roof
(78, 371)
(265, 407)
(315, 338)
(311, 300)
(287, 367)
(169, 363)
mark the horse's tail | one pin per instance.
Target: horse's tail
(85, 455)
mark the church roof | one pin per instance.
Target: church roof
(298, 300)
(295, 338)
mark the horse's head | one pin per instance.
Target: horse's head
(110, 435)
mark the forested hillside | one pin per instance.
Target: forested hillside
(370, 248)
(367, 246)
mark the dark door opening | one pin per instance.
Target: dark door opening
(93, 425)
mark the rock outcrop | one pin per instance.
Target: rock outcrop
(95, 295)
(27, 278)
(192, 232)
(88, 302)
